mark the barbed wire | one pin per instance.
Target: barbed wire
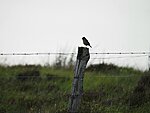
(120, 57)
(11, 54)
(61, 53)
(125, 53)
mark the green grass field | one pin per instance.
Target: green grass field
(36, 89)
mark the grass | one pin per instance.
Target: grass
(48, 92)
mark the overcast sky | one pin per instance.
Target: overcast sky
(59, 25)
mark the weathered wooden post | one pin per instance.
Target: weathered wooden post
(77, 86)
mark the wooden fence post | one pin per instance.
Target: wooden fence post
(77, 86)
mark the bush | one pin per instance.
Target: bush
(29, 74)
(141, 93)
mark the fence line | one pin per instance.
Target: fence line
(125, 53)
(120, 57)
(11, 54)
(61, 53)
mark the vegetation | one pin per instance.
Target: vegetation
(107, 89)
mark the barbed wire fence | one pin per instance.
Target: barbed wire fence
(100, 56)
(62, 53)
(95, 56)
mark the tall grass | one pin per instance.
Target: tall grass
(48, 92)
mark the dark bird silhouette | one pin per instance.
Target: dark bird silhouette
(86, 42)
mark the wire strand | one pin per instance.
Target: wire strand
(120, 57)
(61, 53)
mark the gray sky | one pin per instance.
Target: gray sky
(59, 25)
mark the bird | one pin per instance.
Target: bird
(86, 42)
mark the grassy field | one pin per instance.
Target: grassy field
(36, 89)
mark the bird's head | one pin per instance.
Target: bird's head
(83, 38)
